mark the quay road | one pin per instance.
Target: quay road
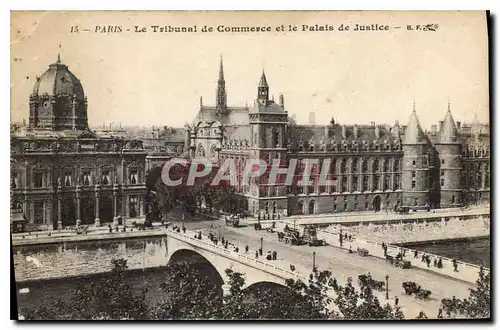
(344, 265)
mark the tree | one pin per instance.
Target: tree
(354, 305)
(478, 304)
(189, 294)
(295, 301)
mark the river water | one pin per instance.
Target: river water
(475, 250)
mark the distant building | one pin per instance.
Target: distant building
(375, 166)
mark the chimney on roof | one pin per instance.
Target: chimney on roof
(372, 124)
(440, 124)
(377, 131)
(355, 131)
(282, 101)
(459, 125)
(344, 132)
(433, 129)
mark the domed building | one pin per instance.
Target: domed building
(58, 101)
(64, 174)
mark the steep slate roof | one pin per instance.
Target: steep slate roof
(232, 115)
(316, 134)
(413, 132)
(240, 133)
(448, 132)
(270, 107)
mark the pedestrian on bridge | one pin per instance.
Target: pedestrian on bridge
(256, 254)
(440, 263)
(275, 255)
(415, 254)
(246, 248)
(455, 265)
(184, 229)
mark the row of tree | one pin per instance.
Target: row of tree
(190, 294)
(162, 198)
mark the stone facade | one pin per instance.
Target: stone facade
(374, 166)
(62, 173)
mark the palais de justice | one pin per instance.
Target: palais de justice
(64, 173)
(376, 166)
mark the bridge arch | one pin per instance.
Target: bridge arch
(265, 287)
(202, 264)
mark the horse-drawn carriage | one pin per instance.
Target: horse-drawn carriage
(292, 238)
(368, 281)
(232, 221)
(363, 252)
(398, 262)
(412, 288)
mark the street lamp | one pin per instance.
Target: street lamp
(314, 261)
(261, 240)
(387, 287)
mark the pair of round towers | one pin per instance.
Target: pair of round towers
(431, 178)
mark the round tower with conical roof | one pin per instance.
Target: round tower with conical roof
(448, 147)
(415, 166)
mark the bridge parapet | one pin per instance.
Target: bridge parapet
(466, 272)
(239, 257)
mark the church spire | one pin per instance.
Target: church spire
(263, 80)
(221, 69)
(221, 101)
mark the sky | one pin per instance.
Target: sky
(355, 76)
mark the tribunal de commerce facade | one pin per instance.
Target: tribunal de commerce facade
(376, 167)
(63, 173)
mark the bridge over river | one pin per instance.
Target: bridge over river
(49, 258)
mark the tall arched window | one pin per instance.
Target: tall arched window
(375, 165)
(354, 165)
